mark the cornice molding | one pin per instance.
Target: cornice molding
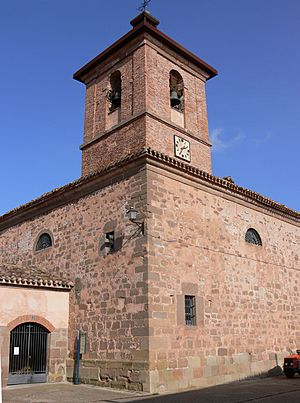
(36, 283)
(225, 185)
(124, 168)
(11, 275)
(144, 27)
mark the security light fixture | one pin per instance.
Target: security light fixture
(132, 216)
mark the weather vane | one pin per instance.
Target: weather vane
(144, 5)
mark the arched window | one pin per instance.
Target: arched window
(176, 91)
(252, 236)
(44, 241)
(114, 94)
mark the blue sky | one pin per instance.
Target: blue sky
(253, 103)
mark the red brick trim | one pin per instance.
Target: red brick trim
(31, 318)
(139, 30)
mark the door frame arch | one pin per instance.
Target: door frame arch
(31, 318)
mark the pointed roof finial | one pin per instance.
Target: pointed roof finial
(144, 5)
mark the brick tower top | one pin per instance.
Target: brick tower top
(145, 90)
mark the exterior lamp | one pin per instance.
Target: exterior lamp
(132, 216)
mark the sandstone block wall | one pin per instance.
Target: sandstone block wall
(247, 296)
(109, 301)
(130, 303)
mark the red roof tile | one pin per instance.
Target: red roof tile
(11, 274)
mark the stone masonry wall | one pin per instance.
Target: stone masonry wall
(109, 300)
(130, 303)
(247, 296)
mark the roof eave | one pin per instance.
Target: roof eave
(144, 26)
(86, 185)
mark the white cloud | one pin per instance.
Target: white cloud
(263, 139)
(220, 141)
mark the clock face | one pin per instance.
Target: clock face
(182, 148)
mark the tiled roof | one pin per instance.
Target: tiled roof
(226, 185)
(31, 277)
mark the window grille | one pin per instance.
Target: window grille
(190, 310)
(252, 236)
(44, 242)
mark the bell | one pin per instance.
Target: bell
(175, 100)
(116, 99)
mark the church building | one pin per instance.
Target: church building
(174, 278)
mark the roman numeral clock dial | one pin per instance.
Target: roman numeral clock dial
(182, 148)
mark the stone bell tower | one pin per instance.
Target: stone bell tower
(145, 90)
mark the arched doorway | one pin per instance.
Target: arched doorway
(28, 354)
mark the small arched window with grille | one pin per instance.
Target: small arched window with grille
(44, 241)
(176, 91)
(252, 236)
(114, 94)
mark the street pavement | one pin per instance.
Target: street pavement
(267, 390)
(65, 392)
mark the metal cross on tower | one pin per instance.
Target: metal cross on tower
(144, 5)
